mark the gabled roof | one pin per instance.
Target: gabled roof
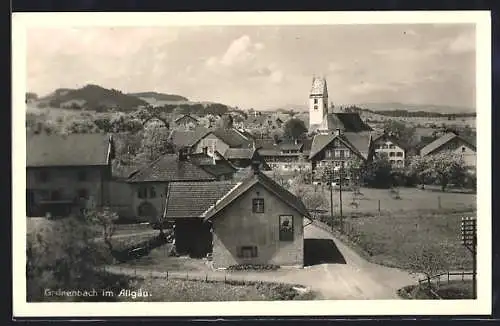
(239, 153)
(186, 116)
(168, 168)
(233, 137)
(219, 166)
(346, 121)
(68, 150)
(392, 138)
(245, 185)
(436, 144)
(358, 142)
(191, 199)
(183, 138)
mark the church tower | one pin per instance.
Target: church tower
(318, 103)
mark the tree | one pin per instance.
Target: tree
(226, 122)
(294, 129)
(419, 168)
(63, 255)
(429, 260)
(103, 219)
(155, 142)
(379, 173)
(400, 131)
(446, 168)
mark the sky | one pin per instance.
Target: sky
(262, 67)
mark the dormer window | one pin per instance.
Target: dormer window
(315, 101)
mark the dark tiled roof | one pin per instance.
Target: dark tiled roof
(191, 199)
(259, 178)
(436, 144)
(220, 167)
(67, 150)
(346, 121)
(359, 142)
(182, 138)
(233, 137)
(168, 168)
(239, 153)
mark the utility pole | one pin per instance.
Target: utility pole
(340, 197)
(331, 206)
(469, 240)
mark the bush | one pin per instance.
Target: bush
(255, 267)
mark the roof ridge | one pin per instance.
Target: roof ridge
(238, 184)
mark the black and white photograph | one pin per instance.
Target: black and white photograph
(295, 161)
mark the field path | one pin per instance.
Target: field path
(337, 272)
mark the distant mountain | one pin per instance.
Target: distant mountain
(160, 96)
(92, 97)
(432, 108)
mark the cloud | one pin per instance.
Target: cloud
(276, 76)
(465, 42)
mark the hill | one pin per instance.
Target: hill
(92, 97)
(431, 108)
(160, 96)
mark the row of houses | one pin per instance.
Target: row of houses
(201, 194)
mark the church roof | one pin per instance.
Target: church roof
(346, 121)
(319, 87)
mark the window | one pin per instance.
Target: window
(315, 101)
(337, 153)
(347, 153)
(399, 154)
(82, 176)
(391, 146)
(258, 205)
(391, 154)
(400, 162)
(247, 252)
(152, 192)
(142, 192)
(392, 161)
(43, 176)
(286, 228)
(315, 107)
(463, 149)
(83, 193)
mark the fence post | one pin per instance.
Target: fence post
(439, 202)
(167, 275)
(448, 277)
(379, 206)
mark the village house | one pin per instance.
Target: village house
(286, 156)
(186, 121)
(341, 149)
(149, 183)
(254, 221)
(66, 173)
(215, 165)
(391, 147)
(453, 143)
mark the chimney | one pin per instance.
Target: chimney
(338, 132)
(255, 167)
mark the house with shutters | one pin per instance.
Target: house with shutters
(453, 143)
(392, 148)
(252, 221)
(340, 149)
(67, 173)
(286, 156)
